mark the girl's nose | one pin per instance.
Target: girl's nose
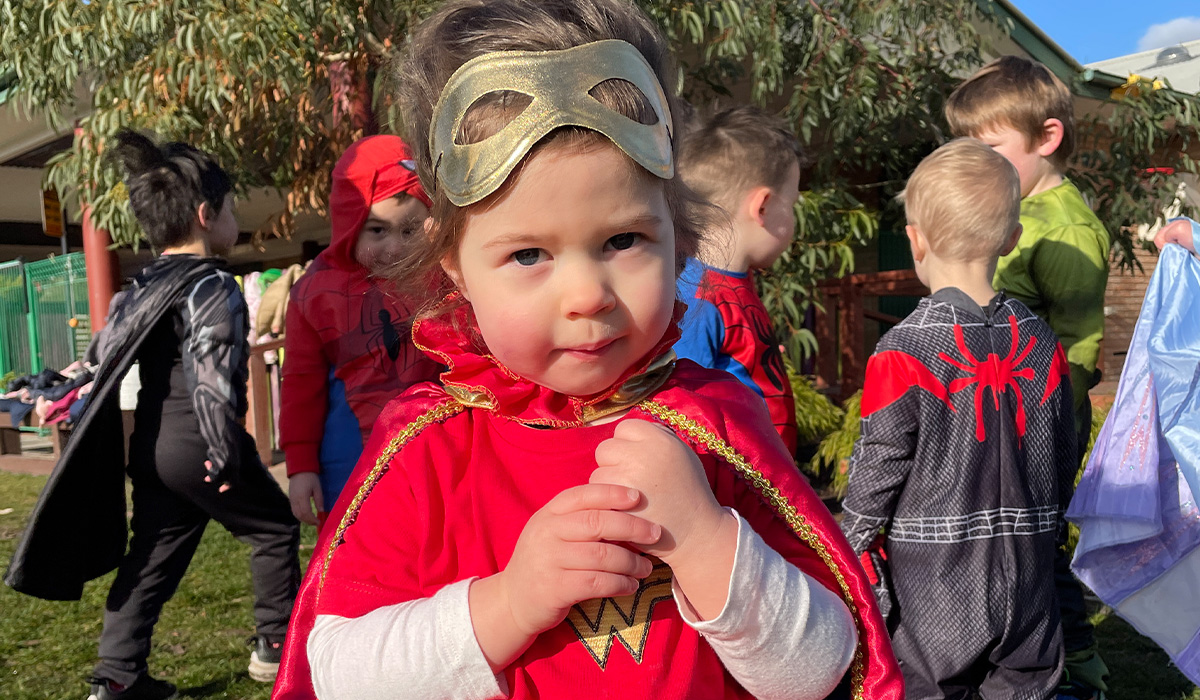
(586, 291)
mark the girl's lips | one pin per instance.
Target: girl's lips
(589, 351)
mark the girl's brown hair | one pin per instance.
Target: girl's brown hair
(465, 29)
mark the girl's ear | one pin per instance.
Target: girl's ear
(450, 267)
(449, 264)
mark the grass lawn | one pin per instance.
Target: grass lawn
(48, 649)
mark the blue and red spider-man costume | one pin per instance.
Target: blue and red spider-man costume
(966, 464)
(348, 349)
(727, 327)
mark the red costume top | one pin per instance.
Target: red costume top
(451, 476)
(728, 328)
(346, 350)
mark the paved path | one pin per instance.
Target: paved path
(36, 458)
(20, 464)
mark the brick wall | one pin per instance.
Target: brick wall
(1122, 302)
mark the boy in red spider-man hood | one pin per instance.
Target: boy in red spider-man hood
(348, 349)
(967, 444)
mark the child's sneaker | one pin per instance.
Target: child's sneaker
(1085, 676)
(1074, 690)
(144, 688)
(264, 658)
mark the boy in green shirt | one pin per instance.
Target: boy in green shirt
(1059, 268)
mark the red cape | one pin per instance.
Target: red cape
(724, 422)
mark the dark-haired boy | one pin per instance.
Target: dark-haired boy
(1059, 269)
(746, 162)
(183, 319)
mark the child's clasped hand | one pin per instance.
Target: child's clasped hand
(674, 489)
(570, 551)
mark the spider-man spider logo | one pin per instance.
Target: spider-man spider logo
(770, 359)
(892, 373)
(993, 373)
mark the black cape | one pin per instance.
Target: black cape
(78, 529)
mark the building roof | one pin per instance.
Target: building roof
(1092, 81)
(1178, 65)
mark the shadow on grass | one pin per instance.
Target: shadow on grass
(207, 690)
(47, 648)
(1140, 670)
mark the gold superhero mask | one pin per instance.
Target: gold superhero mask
(559, 83)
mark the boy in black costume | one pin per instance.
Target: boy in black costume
(967, 429)
(190, 459)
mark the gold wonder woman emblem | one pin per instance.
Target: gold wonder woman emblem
(596, 622)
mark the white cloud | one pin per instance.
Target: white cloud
(1176, 31)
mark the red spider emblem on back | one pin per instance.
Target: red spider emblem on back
(995, 373)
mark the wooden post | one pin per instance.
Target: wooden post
(258, 422)
(353, 94)
(850, 326)
(340, 82)
(103, 267)
(363, 107)
(10, 437)
(825, 329)
(258, 401)
(103, 270)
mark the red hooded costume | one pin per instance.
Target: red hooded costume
(346, 351)
(451, 477)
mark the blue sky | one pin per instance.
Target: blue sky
(1093, 30)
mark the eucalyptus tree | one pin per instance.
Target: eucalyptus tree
(278, 88)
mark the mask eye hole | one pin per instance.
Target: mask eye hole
(489, 114)
(626, 99)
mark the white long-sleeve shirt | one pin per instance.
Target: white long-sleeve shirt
(781, 635)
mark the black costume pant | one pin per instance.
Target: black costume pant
(1077, 628)
(977, 617)
(1023, 664)
(171, 507)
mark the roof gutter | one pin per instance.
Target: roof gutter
(1086, 82)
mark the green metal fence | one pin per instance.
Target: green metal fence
(43, 314)
(14, 328)
(58, 304)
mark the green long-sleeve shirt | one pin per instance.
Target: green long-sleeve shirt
(1059, 269)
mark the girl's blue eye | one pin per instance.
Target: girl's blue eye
(527, 256)
(623, 241)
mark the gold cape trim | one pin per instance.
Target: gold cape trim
(782, 507)
(628, 395)
(677, 421)
(436, 414)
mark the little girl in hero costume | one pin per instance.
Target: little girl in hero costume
(570, 512)
(348, 349)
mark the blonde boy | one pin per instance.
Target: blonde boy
(747, 163)
(967, 423)
(1059, 268)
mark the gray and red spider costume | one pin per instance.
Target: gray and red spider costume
(963, 464)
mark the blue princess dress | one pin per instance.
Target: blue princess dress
(1139, 543)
